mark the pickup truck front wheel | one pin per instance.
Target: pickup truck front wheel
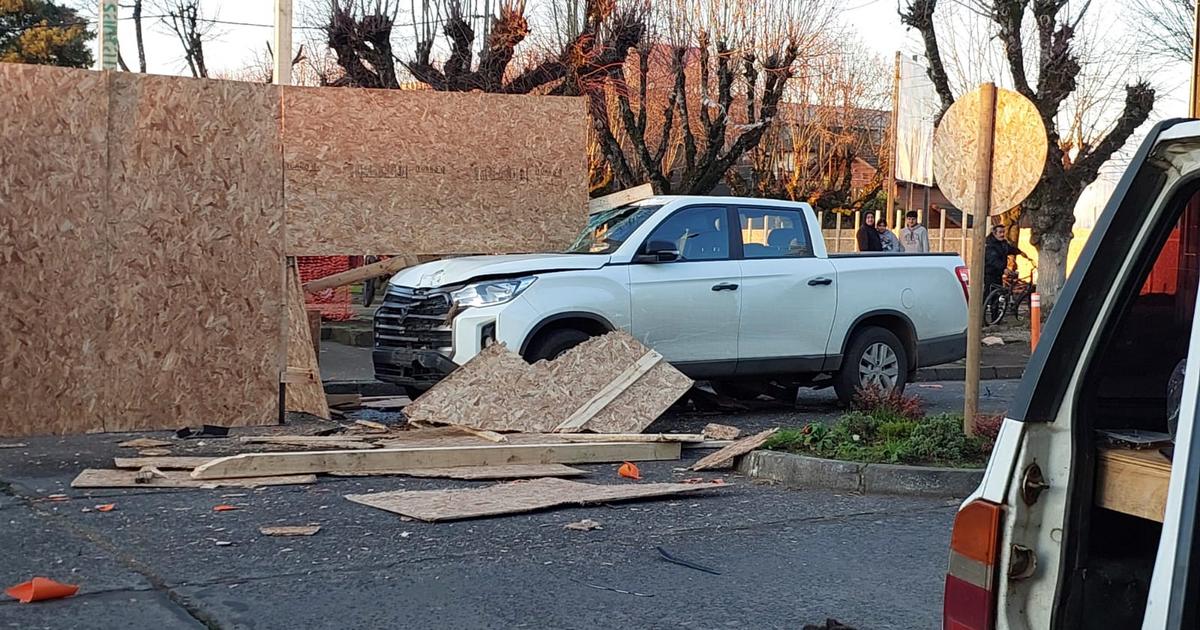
(550, 345)
(875, 358)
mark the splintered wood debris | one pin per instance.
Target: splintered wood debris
(511, 498)
(103, 478)
(607, 384)
(289, 530)
(724, 457)
(714, 431)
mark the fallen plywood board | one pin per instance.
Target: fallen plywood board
(161, 463)
(343, 400)
(303, 396)
(511, 498)
(263, 464)
(104, 478)
(609, 393)
(716, 431)
(310, 441)
(620, 198)
(724, 457)
(358, 274)
(499, 391)
(515, 471)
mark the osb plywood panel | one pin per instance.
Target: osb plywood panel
(196, 282)
(53, 250)
(1019, 153)
(478, 473)
(386, 171)
(499, 391)
(510, 498)
(307, 397)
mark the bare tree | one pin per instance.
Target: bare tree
(1048, 71)
(491, 61)
(1167, 27)
(727, 64)
(137, 34)
(183, 18)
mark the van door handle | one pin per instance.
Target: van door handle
(725, 286)
(820, 282)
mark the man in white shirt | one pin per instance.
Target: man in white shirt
(913, 236)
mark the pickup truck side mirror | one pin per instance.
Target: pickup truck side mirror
(658, 252)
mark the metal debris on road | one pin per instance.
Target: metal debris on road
(685, 563)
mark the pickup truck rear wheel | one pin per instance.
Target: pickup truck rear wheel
(552, 344)
(875, 358)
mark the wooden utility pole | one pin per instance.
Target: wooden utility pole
(106, 36)
(982, 210)
(283, 42)
(891, 180)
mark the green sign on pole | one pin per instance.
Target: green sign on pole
(108, 34)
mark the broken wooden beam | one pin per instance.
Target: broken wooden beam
(373, 270)
(620, 198)
(724, 457)
(266, 464)
(103, 478)
(631, 437)
(515, 471)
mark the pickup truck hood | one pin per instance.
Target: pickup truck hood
(459, 270)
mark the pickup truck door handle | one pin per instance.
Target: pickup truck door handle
(725, 286)
(820, 282)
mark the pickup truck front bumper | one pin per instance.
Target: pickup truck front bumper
(411, 367)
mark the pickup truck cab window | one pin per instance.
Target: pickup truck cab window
(774, 233)
(699, 233)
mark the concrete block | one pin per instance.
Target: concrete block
(802, 472)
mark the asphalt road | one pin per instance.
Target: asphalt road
(164, 559)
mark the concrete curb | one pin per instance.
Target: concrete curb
(812, 472)
(955, 373)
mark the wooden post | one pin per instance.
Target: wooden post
(963, 248)
(283, 42)
(983, 198)
(837, 232)
(314, 329)
(942, 229)
(891, 180)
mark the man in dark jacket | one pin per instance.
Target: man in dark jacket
(868, 236)
(995, 258)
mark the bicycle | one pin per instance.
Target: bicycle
(1008, 297)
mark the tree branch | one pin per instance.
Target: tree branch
(1139, 100)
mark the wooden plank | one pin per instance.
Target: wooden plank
(1133, 482)
(609, 393)
(264, 464)
(314, 330)
(515, 471)
(306, 396)
(724, 457)
(161, 463)
(490, 436)
(299, 376)
(310, 441)
(390, 402)
(373, 270)
(620, 198)
(103, 478)
(632, 437)
(512, 498)
(343, 400)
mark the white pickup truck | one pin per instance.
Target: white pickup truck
(738, 292)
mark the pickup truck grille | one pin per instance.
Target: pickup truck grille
(414, 319)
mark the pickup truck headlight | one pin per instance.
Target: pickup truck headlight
(490, 293)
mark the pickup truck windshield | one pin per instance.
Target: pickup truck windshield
(607, 230)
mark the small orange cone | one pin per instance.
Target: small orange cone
(40, 588)
(629, 470)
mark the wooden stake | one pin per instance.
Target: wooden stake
(982, 210)
(891, 183)
(283, 42)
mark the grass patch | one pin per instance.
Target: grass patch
(887, 438)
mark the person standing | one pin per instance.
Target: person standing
(913, 236)
(887, 240)
(868, 237)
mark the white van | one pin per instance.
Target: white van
(1084, 518)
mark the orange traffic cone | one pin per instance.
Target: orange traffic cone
(40, 588)
(629, 470)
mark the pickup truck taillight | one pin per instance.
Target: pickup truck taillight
(970, 596)
(964, 278)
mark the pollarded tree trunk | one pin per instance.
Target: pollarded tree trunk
(1053, 220)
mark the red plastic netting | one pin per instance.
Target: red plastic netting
(334, 303)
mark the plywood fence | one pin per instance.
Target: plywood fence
(144, 222)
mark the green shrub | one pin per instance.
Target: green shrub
(858, 436)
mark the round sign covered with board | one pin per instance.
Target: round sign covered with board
(1019, 152)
